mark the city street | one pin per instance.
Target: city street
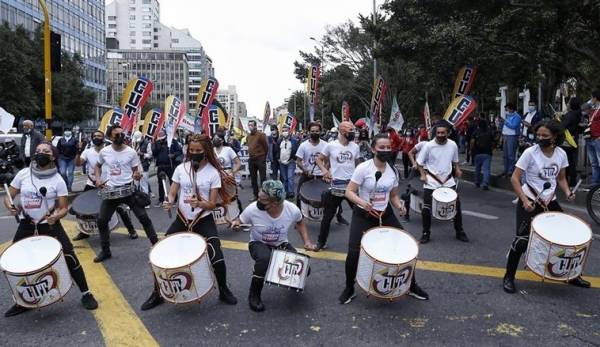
(464, 281)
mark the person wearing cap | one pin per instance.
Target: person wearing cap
(270, 218)
(166, 159)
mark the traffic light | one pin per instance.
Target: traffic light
(55, 52)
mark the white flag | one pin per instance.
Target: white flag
(396, 118)
(6, 121)
(336, 122)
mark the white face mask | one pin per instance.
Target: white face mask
(68, 135)
(532, 109)
(285, 134)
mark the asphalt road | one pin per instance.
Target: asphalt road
(467, 306)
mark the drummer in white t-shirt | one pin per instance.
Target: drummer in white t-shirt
(373, 198)
(542, 163)
(337, 162)
(89, 158)
(41, 214)
(196, 186)
(306, 157)
(438, 165)
(230, 162)
(270, 218)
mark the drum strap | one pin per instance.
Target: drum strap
(542, 203)
(189, 224)
(437, 178)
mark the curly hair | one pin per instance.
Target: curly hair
(556, 129)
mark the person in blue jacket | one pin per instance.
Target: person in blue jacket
(510, 135)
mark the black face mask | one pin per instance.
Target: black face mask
(119, 140)
(261, 206)
(197, 157)
(314, 136)
(545, 143)
(97, 142)
(384, 155)
(350, 136)
(218, 142)
(42, 159)
(441, 139)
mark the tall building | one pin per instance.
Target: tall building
(135, 24)
(229, 99)
(81, 26)
(168, 70)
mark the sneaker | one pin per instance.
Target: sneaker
(425, 238)
(133, 234)
(89, 302)
(515, 201)
(508, 284)
(227, 296)
(579, 282)
(321, 245)
(462, 236)
(147, 207)
(15, 310)
(154, 300)
(346, 296)
(341, 220)
(418, 293)
(81, 236)
(102, 256)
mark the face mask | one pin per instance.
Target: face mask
(97, 141)
(545, 143)
(119, 140)
(350, 136)
(68, 135)
(42, 159)
(217, 142)
(26, 131)
(251, 128)
(314, 136)
(532, 109)
(197, 157)
(285, 134)
(384, 155)
(261, 206)
(334, 135)
(441, 139)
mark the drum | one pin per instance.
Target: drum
(230, 185)
(443, 203)
(338, 187)
(386, 262)
(226, 214)
(558, 247)
(110, 193)
(86, 208)
(287, 269)
(416, 203)
(311, 201)
(181, 267)
(36, 271)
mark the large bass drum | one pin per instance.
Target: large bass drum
(311, 199)
(86, 208)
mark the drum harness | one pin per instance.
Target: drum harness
(537, 201)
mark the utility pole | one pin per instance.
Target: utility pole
(47, 71)
(374, 42)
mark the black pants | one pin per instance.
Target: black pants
(362, 222)
(27, 229)
(120, 210)
(257, 166)
(426, 212)
(519, 244)
(261, 253)
(168, 170)
(332, 203)
(571, 170)
(109, 207)
(407, 164)
(275, 170)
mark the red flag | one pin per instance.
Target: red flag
(345, 111)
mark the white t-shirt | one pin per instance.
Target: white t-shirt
(272, 231)
(226, 157)
(341, 158)
(419, 146)
(119, 165)
(540, 169)
(364, 176)
(27, 146)
(285, 151)
(528, 117)
(90, 156)
(207, 178)
(309, 154)
(438, 160)
(31, 199)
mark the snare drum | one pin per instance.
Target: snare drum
(558, 247)
(181, 267)
(86, 208)
(287, 269)
(36, 271)
(311, 201)
(226, 214)
(386, 262)
(111, 193)
(443, 203)
(338, 187)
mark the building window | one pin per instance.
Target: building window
(112, 26)
(146, 42)
(132, 33)
(131, 25)
(112, 17)
(146, 25)
(132, 9)
(156, 45)
(146, 33)
(132, 2)
(147, 17)
(175, 40)
(146, 9)
(132, 41)
(131, 17)
(147, 2)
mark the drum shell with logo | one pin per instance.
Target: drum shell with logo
(287, 269)
(86, 208)
(558, 247)
(182, 268)
(338, 187)
(34, 285)
(443, 203)
(311, 199)
(226, 214)
(386, 262)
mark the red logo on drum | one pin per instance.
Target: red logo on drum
(45, 284)
(291, 268)
(175, 283)
(389, 280)
(561, 264)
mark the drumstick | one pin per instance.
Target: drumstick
(12, 204)
(547, 185)
(576, 186)
(163, 178)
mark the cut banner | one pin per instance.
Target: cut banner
(464, 81)
(112, 117)
(174, 113)
(336, 122)
(216, 117)
(427, 114)
(312, 86)
(153, 123)
(134, 97)
(345, 111)
(266, 115)
(396, 118)
(6, 121)
(379, 89)
(289, 120)
(459, 110)
(206, 96)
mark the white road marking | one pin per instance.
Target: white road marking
(480, 215)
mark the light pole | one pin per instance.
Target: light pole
(47, 71)
(374, 42)
(322, 67)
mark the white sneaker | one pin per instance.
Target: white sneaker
(515, 201)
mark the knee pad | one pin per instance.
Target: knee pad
(519, 244)
(72, 261)
(214, 249)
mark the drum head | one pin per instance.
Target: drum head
(390, 245)
(561, 228)
(177, 250)
(444, 194)
(30, 254)
(312, 190)
(87, 203)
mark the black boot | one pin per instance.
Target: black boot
(254, 300)
(580, 282)
(508, 284)
(133, 234)
(227, 296)
(425, 238)
(103, 255)
(81, 236)
(89, 302)
(154, 300)
(15, 310)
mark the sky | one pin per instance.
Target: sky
(254, 43)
